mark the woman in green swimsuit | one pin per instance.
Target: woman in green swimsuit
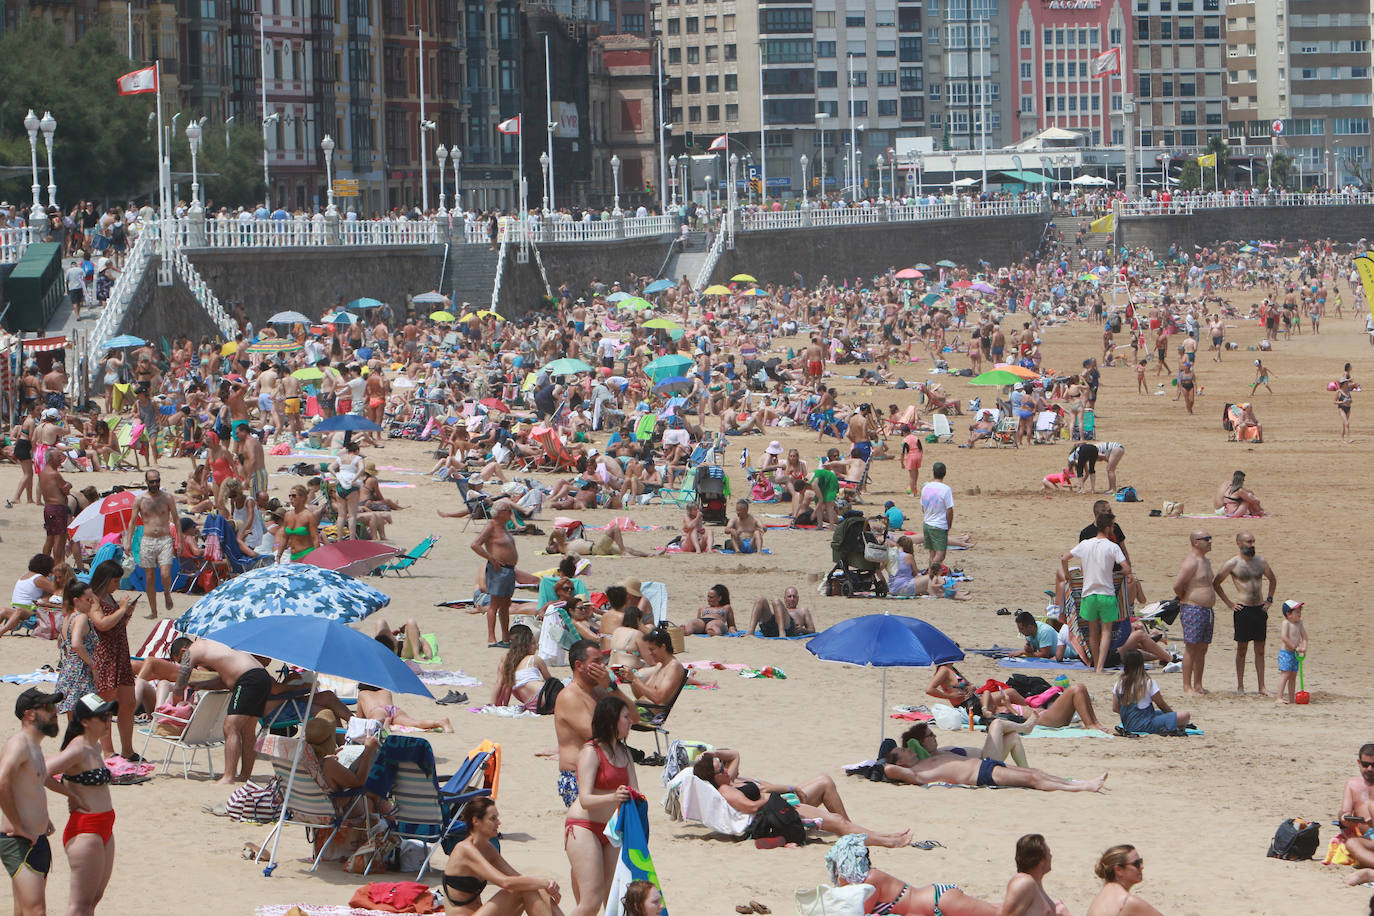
(848, 864)
(300, 532)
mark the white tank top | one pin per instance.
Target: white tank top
(26, 592)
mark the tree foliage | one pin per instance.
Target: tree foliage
(229, 177)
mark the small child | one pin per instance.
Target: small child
(1294, 641)
(1061, 481)
(1140, 386)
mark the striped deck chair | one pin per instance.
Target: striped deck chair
(405, 772)
(122, 433)
(310, 804)
(556, 455)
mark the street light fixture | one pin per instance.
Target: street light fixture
(37, 215)
(425, 125)
(442, 153)
(672, 178)
(457, 156)
(1269, 170)
(49, 126)
(805, 202)
(194, 131)
(544, 188)
(327, 144)
(821, 116)
(615, 178)
(881, 163)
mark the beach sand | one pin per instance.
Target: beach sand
(1200, 810)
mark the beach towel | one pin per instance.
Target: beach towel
(757, 635)
(441, 678)
(994, 651)
(718, 666)
(628, 829)
(306, 909)
(1041, 664)
(44, 675)
(508, 712)
(700, 802)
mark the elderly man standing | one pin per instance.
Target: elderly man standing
(1250, 612)
(1196, 596)
(496, 545)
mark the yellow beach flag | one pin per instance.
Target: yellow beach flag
(1105, 224)
(1208, 161)
(1365, 265)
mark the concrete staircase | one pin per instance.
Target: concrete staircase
(472, 273)
(690, 255)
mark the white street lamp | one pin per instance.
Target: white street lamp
(672, 177)
(821, 116)
(442, 153)
(881, 163)
(544, 192)
(49, 127)
(425, 125)
(805, 202)
(37, 215)
(327, 144)
(615, 177)
(1269, 170)
(194, 132)
(917, 164)
(457, 156)
(892, 167)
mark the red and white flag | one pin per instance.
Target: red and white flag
(1107, 63)
(720, 142)
(144, 80)
(511, 126)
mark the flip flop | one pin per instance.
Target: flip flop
(742, 908)
(759, 907)
(927, 844)
(1003, 612)
(499, 644)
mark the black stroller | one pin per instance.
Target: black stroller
(853, 572)
(713, 491)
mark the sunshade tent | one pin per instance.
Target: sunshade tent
(567, 366)
(324, 647)
(997, 377)
(1090, 181)
(288, 317)
(885, 641)
(289, 588)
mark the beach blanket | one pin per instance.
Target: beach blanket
(44, 675)
(441, 678)
(994, 651)
(468, 602)
(1041, 664)
(306, 909)
(397, 486)
(728, 552)
(1192, 731)
(508, 712)
(757, 635)
(913, 715)
(718, 666)
(628, 829)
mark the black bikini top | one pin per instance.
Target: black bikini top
(100, 776)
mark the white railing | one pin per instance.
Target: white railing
(121, 295)
(203, 293)
(1183, 205)
(12, 244)
(388, 232)
(496, 284)
(546, 231)
(311, 233)
(752, 221)
(638, 227)
(708, 266)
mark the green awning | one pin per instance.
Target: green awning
(1028, 177)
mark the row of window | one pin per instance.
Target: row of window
(694, 54)
(1187, 87)
(1184, 6)
(1069, 38)
(692, 25)
(713, 83)
(909, 49)
(1165, 30)
(964, 9)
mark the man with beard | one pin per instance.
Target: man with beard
(24, 821)
(1357, 810)
(158, 510)
(1251, 612)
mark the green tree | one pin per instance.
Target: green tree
(229, 175)
(103, 149)
(1283, 166)
(1218, 147)
(1190, 176)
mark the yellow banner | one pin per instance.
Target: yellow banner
(1365, 265)
(1208, 161)
(1105, 224)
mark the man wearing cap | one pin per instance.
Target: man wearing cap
(24, 821)
(496, 545)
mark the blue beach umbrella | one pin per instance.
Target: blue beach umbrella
(124, 340)
(346, 423)
(273, 591)
(673, 383)
(658, 286)
(365, 302)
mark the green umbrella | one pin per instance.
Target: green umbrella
(636, 303)
(945, 263)
(928, 298)
(998, 377)
(567, 366)
(663, 323)
(668, 366)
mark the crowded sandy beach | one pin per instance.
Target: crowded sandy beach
(1226, 399)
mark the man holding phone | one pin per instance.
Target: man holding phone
(1357, 809)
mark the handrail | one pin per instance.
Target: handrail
(203, 293)
(672, 246)
(121, 294)
(708, 266)
(500, 271)
(13, 241)
(543, 274)
(1187, 204)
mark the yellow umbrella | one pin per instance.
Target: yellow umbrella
(441, 315)
(488, 313)
(742, 278)
(309, 374)
(716, 290)
(229, 349)
(663, 323)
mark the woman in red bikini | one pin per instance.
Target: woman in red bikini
(89, 835)
(605, 778)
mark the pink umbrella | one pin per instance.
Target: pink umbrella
(909, 273)
(962, 284)
(352, 557)
(108, 515)
(982, 287)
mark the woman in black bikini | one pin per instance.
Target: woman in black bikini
(23, 453)
(89, 835)
(475, 863)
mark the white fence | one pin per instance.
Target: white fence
(12, 244)
(1242, 199)
(549, 231)
(203, 293)
(121, 295)
(752, 221)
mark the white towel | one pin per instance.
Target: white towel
(700, 801)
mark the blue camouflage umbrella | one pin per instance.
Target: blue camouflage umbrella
(347, 422)
(293, 588)
(673, 383)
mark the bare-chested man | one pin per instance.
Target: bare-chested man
(269, 407)
(291, 402)
(815, 360)
(329, 388)
(1026, 894)
(1357, 809)
(1250, 611)
(160, 520)
(496, 545)
(252, 688)
(252, 460)
(782, 618)
(55, 386)
(744, 531)
(572, 711)
(857, 432)
(238, 407)
(24, 821)
(1196, 597)
(53, 490)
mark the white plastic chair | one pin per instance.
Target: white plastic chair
(943, 430)
(204, 730)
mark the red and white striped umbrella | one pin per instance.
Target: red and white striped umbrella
(108, 515)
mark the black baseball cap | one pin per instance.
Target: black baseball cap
(33, 698)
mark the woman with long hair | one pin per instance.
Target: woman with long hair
(605, 779)
(76, 644)
(89, 835)
(476, 862)
(347, 468)
(1121, 867)
(114, 674)
(522, 672)
(33, 587)
(641, 898)
(1137, 698)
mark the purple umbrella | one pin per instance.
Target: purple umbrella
(982, 287)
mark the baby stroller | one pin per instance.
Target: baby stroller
(853, 571)
(713, 491)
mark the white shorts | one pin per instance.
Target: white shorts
(265, 403)
(155, 552)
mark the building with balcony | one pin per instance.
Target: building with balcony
(1307, 66)
(970, 73)
(1177, 68)
(1056, 43)
(623, 120)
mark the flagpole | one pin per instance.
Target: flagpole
(162, 175)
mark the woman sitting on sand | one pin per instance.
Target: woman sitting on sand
(476, 863)
(1235, 500)
(949, 685)
(848, 863)
(522, 673)
(626, 642)
(1122, 868)
(721, 769)
(1136, 696)
(909, 580)
(717, 618)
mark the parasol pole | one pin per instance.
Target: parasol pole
(882, 712)
(290, 780)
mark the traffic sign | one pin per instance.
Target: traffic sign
(345, 187)
(1277, 127)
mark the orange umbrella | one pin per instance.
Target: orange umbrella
(1022, 371)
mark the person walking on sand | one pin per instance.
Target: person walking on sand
(1251, 615)
(158, 510)
(1261, 378)
(496, 545)
(1196, 597)
(53, 490)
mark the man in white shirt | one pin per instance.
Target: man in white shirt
(76, 286)
(1098, 606)
(937, 502)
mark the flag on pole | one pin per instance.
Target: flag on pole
(1365, 265)
(1105, 224)
(720, 142)
(1107, 63)
(511, 126)
(144, 80)
(1208, 161)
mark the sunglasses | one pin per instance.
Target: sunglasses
(1366, 763)
(1138, 863)
(1207, 538)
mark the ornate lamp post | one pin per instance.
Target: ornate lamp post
(805, 201)
(38, 217)
(615, 178)
(49, 127)
(194, 131)
(442, 153)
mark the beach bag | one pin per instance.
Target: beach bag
(1028, 685)
(1296, 840)
(778, 819)
(254, 803)
(1127, 495)
(548, 696)
(825, 900)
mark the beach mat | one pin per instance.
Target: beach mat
(1041, 664)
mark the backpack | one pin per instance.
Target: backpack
(1296, 840)
(779, 819)
(1127, 495)
(548, 696)
(1028, 685)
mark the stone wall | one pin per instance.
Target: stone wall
(865, 251)
(1208, 227)
(169, 312)
(579, 262)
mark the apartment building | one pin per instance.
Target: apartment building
(623, 119)
(971, 74)
(1177, 66)
(1304, 66)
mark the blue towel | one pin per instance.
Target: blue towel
(1041, 664)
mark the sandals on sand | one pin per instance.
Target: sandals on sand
(753, 906)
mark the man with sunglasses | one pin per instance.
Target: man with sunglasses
(158, 509)
(1196, 596)
(24, 821)
(1357, 809)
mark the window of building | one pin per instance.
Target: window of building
(694, 114)
(912, 79)
(728, 22)
(1350, 126)
(1143, 86)
(909, 19)
(935, 120)
(1026, 71)
(913, 108)
(732, 82)
(856, 48)
(1187, 116)
(711, 24)
(827, 79)
(731, 52)
(1142, 29)
(732, 112)
(860, 108)
(1114, 37)
(693, 25)
(887, 77)
(885, 48)
(830, 108)
(1059, 69)
(713, 83)
(693, 85)
(1049, 38)
(674, 55)
(1024, 38)
(787, 50)
(858, 78)
(1187, 90)
(1027, 104)
(632, 22)
(887, 108)
(712, 53)
(1166, 29)
(825, 49)
(909, 50)
(1049, 70)
(713, 112)
(694, 55)
(885, 19)
(785, 20)
(675, 114)
(674, 26)
(1213, 33)
(1166, 88)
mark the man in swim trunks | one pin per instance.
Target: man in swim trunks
(251, 685)
(24, 821)
(744, 532)
(1250, 613)
(1196, 596)
(291, 402)
(788, 617)
(815, 360)
(906, 766)
(158, 509)
(572, 711)
(252, 460)
(496, 545)
(54, 490)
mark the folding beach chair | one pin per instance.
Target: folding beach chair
(1004, 435)
(653, 717)
(477, 503)
(402, 563)
(943, 431)
(556, 456)
(405, 772)
(308, 803)
(203, 730)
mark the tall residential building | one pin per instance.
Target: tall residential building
(711, 58)
(1305, 63)
(1056, 44)
(623, 115)
(970, 73)
(1178, 67)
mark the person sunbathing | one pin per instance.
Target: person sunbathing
(1003, 741)
(907, 766)
(575, 494)
(609, 543)
(787, 617)
(1057, 714)
(982, 428)
(411, 646)
(819, 803)
(744, 531)
(717, 618)
(848, 863)
(377, 703)
(1235, 500)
